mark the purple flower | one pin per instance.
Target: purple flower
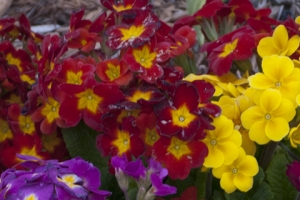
(293, 172)
(160, 189)
(133, 169)
(47, 180)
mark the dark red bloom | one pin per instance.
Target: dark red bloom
(293, 173)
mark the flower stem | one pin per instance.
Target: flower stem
(267, 154)
(208, 187)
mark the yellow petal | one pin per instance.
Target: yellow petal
(280, 37)
(257, 133)
(290, 90)
(277, 67)
(227, 182)
(230, 151)
(285, 110)
(260, 81)
(270, 100)
(223, 127)
(218, 172)
(276, 129)
(298, 99)
(266, 48)
(252, 115)
(235, 138)
(248, 145)
(249, 166)
(242, 182)
(292, 45)
(215, 157)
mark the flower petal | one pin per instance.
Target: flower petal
(227, 182)
(270, 100)
(249, 166)
(292, 45)
(215, 157)
(260, 81)
(230, 151)
(272, 67)
(252, 115)
(276, 129)
(285, 110)
(242, 182)
(257, 132)
(280, 37)
(265, 49)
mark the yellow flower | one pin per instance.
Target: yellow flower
(294, 136)
(278, 44)
(223, 84)
(223, 143)
(269, 119)
(239, 174)
(278, 73)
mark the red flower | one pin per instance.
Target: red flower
(48, 112)
(188, 33)
(293, 173)
(75, 72)
(126, 5)
(143, 28)
(21, 124)
(22, 144)
(143, 61)
(147, 124)
(88, 101)
(114, 71)
(236, 45)
(180, 117)
(119, 140)
(145, 95)
(179, 156)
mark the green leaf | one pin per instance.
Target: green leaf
(200, 35)
(81, 141)
(276, 177)
(200, 183)
(263, 192)
(217, 195)
(194, 5)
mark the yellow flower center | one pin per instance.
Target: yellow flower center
(112, 72)
(213, 142)
(278, 84)
(229, 48)
(137, 95)
(14, 61)
(51, 110)
(122, 143)
(74, 78)
(235, 170)
(144, 57)
(89, 100)
(267, 116)
(132, 33)
(182, 116)
(151, 136)
(31, 197)
(69, 180)
(121, 7)
(178, 148)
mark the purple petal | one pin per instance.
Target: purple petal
(135, 169)
(161, 189)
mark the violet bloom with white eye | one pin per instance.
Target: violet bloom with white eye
(49, 180)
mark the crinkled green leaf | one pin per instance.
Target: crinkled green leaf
(217, 195)
(276, 177)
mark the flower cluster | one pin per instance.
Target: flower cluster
(134, 89)
(149, 180)
(39, 179)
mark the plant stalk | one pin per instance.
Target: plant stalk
(267, 154)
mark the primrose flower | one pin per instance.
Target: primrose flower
(179, 156)
(294, 136)
(278, 73)
(38, 179)
(143, 60)
(239, 174)
(279, 43)
(236, 45)
(268, 120)
(143, 28)
(223, 143)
